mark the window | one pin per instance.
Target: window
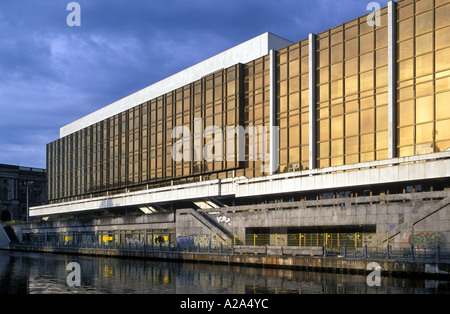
(5, 196)
(423, 77)
(355, 78)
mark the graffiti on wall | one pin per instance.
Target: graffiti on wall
(224, 220)
(195, 240)
(426, 240)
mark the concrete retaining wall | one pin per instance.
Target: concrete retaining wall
(400, 215)
(335, 264)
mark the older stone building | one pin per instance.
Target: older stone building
(14, 181)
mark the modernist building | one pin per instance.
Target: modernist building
(20, 188)
(361, 109)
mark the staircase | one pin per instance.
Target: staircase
(408, 225)
(211, 224)
(4, 238)
(11, 234)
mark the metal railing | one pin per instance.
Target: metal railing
(303, 239)
(349, 245)
(211, 247)
(353, 245)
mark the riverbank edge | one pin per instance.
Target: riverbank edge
(399, 268)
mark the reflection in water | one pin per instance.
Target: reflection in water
(35, 273)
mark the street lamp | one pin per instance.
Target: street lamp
(28, 206)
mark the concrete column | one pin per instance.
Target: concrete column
(274, 136)
(392, 80)
(312, 101)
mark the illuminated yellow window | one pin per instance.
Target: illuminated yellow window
(382, 140)
(424, 89)
(294, 133)
(382, 118)
(424, 64)
(405, 29)
(352, 145)
(367, 143)
(337, 147)
(406, 70)
(337, 53)
(337, 127)
(443, 130)
(323, 130)
(443, 38)
(366, 43)
(294, 68)
(324, 150)
(424, 22)
(424, 133)
(382, 77)
(442, 84)
(443, 16)
(406, 49)
(406, 151)
(366, 62)
(294, 155)
(424, 109)
(442, 60)
(443, 105)
(305, 134)
(337, 89)
(352, 124)
(323, 58)
(367, 121)
(351, 67)
(381, 57)
(406, 136)
(351, 48)
(424, 43)
(337, 71)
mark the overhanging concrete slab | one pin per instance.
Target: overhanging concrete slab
(424, 167)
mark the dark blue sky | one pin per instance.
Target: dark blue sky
(52, 74)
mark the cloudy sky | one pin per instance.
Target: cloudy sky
(52, 74)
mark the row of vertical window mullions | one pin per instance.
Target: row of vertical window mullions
(292, 77)
(330, 140)
(256, 109)
(424, 78)
(123, 146)
(216, 110)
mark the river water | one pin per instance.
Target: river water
(39, 273)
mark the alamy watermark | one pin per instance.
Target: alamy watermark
(227, 144)
(74, 277)
(374, 18)
(374, 277)
(74, 17)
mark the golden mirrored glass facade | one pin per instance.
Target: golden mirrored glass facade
(423, 107)
(351, 114)
(134, 148)
(352, 82)
(292, 106)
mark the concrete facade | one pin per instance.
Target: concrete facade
(396, 219)
(424, 167)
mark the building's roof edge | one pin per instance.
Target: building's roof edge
(242, 53)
